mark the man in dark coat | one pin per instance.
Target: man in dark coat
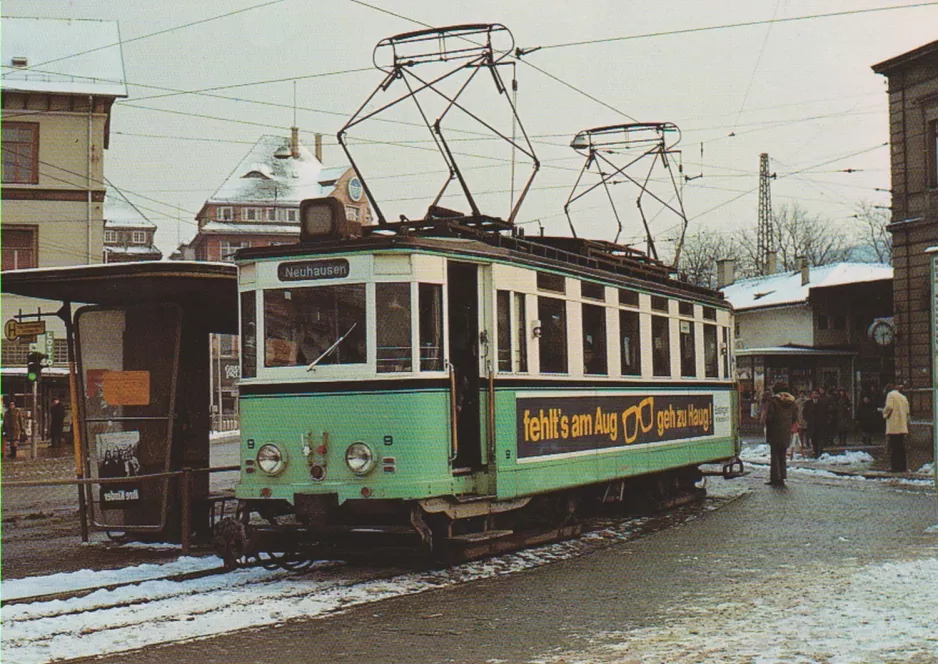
(56, 421)
(780, 416)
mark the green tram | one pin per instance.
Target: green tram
(451, 384)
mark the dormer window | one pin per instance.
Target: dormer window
(19, 61)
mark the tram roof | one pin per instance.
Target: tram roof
(207, 291)
(483, 235)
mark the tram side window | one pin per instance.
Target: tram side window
(594, 340)
(503, 305)
(551, 282)
(660, 346)
(325, 323)
(631, 342)
(431, 326)
(726, 353)
(688, 349)
(553, 341)
(711, 354)
(248, 334)
(392, 306)
(521, 333)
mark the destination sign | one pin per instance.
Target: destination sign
(337, 268)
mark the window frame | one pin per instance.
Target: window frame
(7, 178)
(7, 246)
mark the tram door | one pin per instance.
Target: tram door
(463, 294)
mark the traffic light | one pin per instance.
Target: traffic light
(34, 365)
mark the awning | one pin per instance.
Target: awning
(207, 292)
(791, 351)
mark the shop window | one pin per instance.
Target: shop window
(430, 309)
(551, 282)
(688, 349)
(630, 342)
(593, 291)
(711, 352)
(553, 340)
(660, 346)
(393, 327)
(20, 142)
(594, 340)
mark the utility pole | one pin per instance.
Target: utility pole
(765, 241)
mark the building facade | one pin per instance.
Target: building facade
(55, 130)
(128, 234)
(913, 136)
(814, 327)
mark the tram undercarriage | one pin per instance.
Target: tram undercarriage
(443, 530)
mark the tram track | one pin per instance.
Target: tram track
(211, 601)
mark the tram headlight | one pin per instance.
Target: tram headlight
(359, 458)
(271, 460)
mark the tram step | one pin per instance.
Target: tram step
(472, 538)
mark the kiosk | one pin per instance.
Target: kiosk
(139, 361)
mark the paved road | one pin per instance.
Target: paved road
(753, 544)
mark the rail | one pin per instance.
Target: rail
(185, 498)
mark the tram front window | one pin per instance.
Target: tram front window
(325, 325)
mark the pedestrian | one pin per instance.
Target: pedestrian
(822, 422)
(780, 415)
(896, 414)
(56, 422)
(866, 417)
(800, 427)
(15, 423)
(809, 413)
(843, 412)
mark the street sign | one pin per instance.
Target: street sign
(14, 329)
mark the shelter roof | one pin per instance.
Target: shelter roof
(206, 291)
(786, 289)
(66, 56)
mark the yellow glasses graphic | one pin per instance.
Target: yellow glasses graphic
(637, 416)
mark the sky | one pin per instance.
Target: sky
(206, 80)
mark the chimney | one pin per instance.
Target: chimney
(294, 142)
(726, 272)
(805, 270)
(319, 148)
(771, 263)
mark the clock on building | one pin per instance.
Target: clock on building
(355, 189)
(882, 332)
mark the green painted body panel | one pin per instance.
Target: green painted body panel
(418, 423)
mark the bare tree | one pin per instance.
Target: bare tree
(701, 252)
(871, 231)
(798, 233)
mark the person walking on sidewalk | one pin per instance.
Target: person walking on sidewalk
(843, 410)
(779, 417)
(866, 417)
(896, 413)
(56, 422)
(15, 424)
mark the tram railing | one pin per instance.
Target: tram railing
(185, 497)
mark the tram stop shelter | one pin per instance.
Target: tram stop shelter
(138, 345)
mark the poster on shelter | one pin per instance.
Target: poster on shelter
(117, 457)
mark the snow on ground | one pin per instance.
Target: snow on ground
(86, 578)
(119, 620)
(871, 614)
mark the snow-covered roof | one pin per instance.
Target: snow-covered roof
(238, 227)
(786, 289)
(69, 56)
(119, 212)
(262, 178)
